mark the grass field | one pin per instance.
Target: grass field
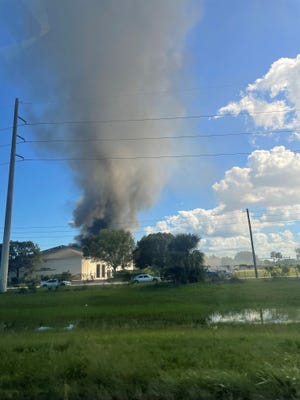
(291, 272)
(149, 342)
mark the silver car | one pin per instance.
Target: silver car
(145, 278)
(54, 283)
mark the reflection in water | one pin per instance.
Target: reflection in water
(262, 316)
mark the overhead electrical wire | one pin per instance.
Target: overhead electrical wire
(166, 137)
(138, 93)
(146, 119)
(228, 220)
(141, 93)
(120, 158)
(149, 119)
(163, 156)
(144, 138)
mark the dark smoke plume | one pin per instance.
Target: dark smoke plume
(103, 60)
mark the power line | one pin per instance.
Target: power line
(176, 156)
(148, 119)
(9, 128)
(167, 137)
(217, 219)
(145, 138)
(154, 157)
(161, 157)
(138, 93)
(142, 93)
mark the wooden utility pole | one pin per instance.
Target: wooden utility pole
(252, 245)
(9, 201)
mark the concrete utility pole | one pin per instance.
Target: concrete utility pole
(9, 200)
(252, 245)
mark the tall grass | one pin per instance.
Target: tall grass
(204, 363)
(142, 305)
(148, 342)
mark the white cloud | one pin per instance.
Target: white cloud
(270, 180)
(284, 242)
(272, 101)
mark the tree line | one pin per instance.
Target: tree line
(174, 257)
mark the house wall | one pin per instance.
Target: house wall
(95, 270)
(81, 268)
(59, 265)
(65, 259)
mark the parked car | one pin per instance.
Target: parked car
(218, 275)
(212, 275)
(54, 283)
(145, 278)
(65, 283)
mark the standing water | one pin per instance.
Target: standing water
(260, 316)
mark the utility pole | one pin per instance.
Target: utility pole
(9, 201)
(252, 245)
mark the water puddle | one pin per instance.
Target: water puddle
(250, 316)
(69, 327)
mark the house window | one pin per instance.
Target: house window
(98, 271)
(103, 270)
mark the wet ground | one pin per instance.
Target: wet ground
(261, 316)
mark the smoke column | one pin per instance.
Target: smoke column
(103, 60)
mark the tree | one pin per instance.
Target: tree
(227, 261)
(112, 246)
(276, 256)
(185, 262)
(273, 271)
(244, 257)
(153, 250)
(22, 256)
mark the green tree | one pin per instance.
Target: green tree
(285, 270)
(275, 272)
(153, 250)
(244, 257)
(22, 256)
(185, 262)
(112, 246)
(276, 256)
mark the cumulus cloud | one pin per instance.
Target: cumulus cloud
(271, 178)
(269, 181)
(284, 242)
(272, 101)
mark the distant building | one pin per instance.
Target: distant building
(70, 259)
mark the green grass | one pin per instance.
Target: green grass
(143, 305)
(149, 342)
(264, 273)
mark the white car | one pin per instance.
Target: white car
(65, 283)
(54, 283)
(145, 278)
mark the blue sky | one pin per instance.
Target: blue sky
(133, 63)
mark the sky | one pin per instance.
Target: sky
(169, 115)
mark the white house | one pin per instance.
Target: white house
(70, 259)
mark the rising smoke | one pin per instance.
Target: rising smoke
(104, 60)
